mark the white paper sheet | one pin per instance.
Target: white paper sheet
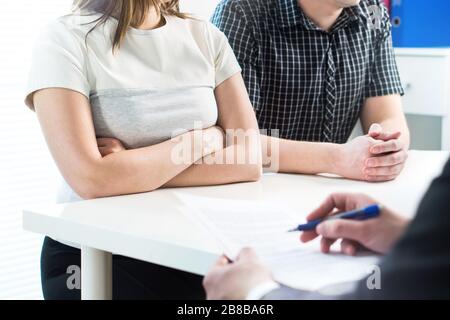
(236, 224)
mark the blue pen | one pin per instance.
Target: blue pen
(369, 212)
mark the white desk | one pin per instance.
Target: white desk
(151, 227)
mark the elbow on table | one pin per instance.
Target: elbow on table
(254, 172)
(98, 186)
(93, 190)
(96, 193)
(89, 189)
(89, 194)
(97, 183)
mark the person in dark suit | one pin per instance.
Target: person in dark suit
(416, 265)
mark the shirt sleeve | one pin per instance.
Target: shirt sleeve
(384, 76)
(58, 61)
(229, 17)
(225, 62)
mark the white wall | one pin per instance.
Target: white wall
(27, 173)
(203, 8)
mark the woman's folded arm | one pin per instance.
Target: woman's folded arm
(240, 160)
(66, 120)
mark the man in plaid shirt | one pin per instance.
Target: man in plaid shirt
(312, 69)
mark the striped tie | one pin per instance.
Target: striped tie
(330, 97)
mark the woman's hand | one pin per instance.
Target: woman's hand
(106, 146)
(378, 235)
(213, 140)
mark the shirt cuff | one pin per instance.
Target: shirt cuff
(261, 290)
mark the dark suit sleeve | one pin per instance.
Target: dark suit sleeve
(419, 265)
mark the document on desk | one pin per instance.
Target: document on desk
(236, 224)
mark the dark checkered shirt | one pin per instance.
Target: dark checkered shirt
(310, 84)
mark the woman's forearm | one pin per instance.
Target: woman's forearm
(241, 160)
(289, 156)
(145, 169)
(236, 163)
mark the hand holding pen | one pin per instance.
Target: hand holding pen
(378, 232)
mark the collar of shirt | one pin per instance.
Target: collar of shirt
(290, 15)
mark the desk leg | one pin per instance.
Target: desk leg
(96, 274)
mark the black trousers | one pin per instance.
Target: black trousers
(132, 279)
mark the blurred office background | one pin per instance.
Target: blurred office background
(28, 176)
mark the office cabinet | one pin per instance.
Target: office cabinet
(425, 75)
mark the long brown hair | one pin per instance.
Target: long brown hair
(129, 13)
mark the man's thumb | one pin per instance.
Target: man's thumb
(375, 130)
